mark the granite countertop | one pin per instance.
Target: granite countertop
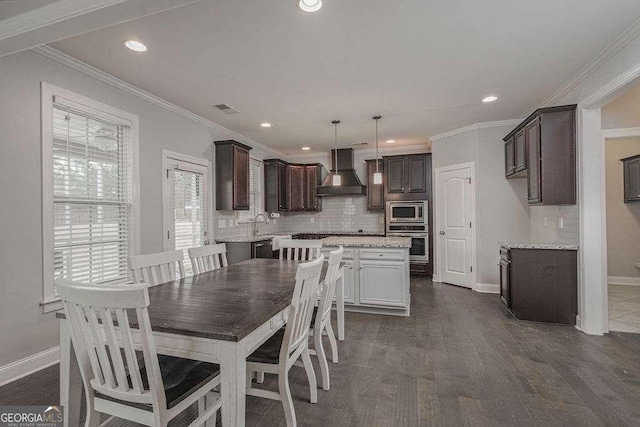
(368, 242)
(344, 233)
(532, 245)
(249, 239)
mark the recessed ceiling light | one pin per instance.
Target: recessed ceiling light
(391, 141)
(135, 45)
(265, 125)
(490, 98)
(310, 5)
(306, 148)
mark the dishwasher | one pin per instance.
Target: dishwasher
(262, 249)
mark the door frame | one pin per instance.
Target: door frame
(593, 310)
(436, 228)
(198, 161)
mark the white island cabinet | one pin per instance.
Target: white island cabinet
(376, 273)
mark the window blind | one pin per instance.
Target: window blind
(188, 203)
(256, 203)
(91, 196)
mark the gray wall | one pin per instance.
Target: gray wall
(501, 211)
(24, 330)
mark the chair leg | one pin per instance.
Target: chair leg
(334, 343)
(311, 375)
(285, 395)
(92, 418)
(322, 359)
(249, 378)
(259, 377)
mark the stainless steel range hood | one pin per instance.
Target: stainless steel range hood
(351, 184)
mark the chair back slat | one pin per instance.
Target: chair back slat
(330, 281)
(299, 250)
(154, 269)
(101, 330)
(207, 258)
(302, 304)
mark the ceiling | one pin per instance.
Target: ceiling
(424, 65)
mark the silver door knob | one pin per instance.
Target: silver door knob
(442, 233)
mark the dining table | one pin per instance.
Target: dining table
(220, 316)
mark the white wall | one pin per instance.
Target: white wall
(501, 210)
(24, 330)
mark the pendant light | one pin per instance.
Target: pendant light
(337, 179)
(310, 5)
(377, 176)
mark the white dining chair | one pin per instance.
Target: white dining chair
(115, 381)
(299, 250)
(207, 258)
(154, 269)
(321, 321)
(278, 354)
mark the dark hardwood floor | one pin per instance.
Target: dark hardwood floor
(460, 359)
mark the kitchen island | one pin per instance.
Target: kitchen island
(376, 273)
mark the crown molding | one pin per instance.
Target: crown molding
(474, 127)
(620, 133)
(400, 149)
(50, 14)
(98, 74)
(616, 46)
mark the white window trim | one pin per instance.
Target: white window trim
(262, 192)
(49, 301)
(167, 156)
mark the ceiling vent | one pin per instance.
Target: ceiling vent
(227, 109)
(359, 144)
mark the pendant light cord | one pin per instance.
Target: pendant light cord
(376, 118)
(335, 125)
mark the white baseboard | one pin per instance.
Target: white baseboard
(435, 278)
(621, 280)
(28, 365)
(487, 288)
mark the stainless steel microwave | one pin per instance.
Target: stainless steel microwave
(408, 212)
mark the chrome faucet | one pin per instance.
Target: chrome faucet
(255, 222)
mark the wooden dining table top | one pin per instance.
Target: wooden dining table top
(226, 304)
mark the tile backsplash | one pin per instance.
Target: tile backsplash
(545, 224)
(338, 214)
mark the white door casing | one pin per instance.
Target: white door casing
(455, 225)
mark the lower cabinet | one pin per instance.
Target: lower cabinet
(376, 278)
(382, 283)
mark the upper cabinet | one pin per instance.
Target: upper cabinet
(292, 187)
(232, 175)
(276, 179)
(542, 149)
(407, 177)
(632, 179)
(314, 175)
(375, 192)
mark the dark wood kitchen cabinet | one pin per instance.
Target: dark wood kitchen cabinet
(548, 137)
(296, 188)
(292, 187)
(314, 174)
(276, 185)
(631, 167)
(540, 284)
(232, 175)
(407, 177)
(375, 192)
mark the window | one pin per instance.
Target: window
(256, 201)
(88, 207)
(186, 203)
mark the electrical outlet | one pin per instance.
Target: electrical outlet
(312, 220)
(275, 221)
(222, 223)
(561, 222)
(546, 222)
(381, 220)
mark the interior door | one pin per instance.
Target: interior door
(185, 210)
(454, 200)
